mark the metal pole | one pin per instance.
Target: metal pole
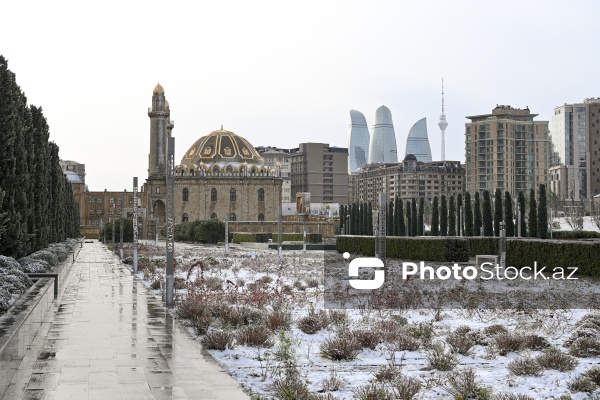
(280, 228)
(226, 234)
(135, 225)
(156, 231)
(551, 222)
(304, 244)
(121, 230)
(114, 249)
(170, 222)
(503, 245)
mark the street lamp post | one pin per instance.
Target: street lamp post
(135, 226)
(121, 230)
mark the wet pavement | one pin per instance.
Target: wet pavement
(107, 338)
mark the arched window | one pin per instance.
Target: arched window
(232, 194)
(186, 194)
(192, 172)
(185, 218)
(216, 171)
(232, 217)
(261, 217)
(229, 170)
(213, 216)
(92, 211)
(261, 194)
(213, 194)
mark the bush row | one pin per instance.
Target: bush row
(240, 237)
(575, 235)
(209, 231)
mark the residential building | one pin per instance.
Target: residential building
(276, 157)
(506, 150)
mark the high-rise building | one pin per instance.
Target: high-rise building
(321, 170)
(417, 142)
(382, 147)
(506, 150)
(358, 142)
(575, 174)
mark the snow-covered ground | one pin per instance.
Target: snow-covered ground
(289, 282)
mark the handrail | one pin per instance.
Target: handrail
(46, 275)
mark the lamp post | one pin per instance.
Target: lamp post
(135, 226)
(121, 230)
(170, 223)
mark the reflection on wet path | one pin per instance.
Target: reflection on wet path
(107, 338)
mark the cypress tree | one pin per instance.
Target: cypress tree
(497, 211)
(459, 203)
(408, 219)
(3, 218)
(413, 217)
(342, 219)
(468, 215)
(353, 219)
(370, 218)
(435, 218)
(397, 203)
(389, 219)
(533, 219)
(488, 225)
(452, 217)
(444, 217)
(364, 225)
(543, 213)
(508, 215)
(521, 200)
(477, 216)
(400, 218)
(420, 224)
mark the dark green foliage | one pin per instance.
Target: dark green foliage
(452, 217)
(576, 235)
(210, 231)
(364, 220)
(488, 226)
(508, 215)
(459, 204)
(400, 218)
(444, 217)
(479, 245)
(342, 219)
(413, 218)
(389, 219)
(127, 230)
(542, 214)
(408, 219)
(370, 219)
(477, 222)
(396, 223)
(241, 237)
(468, 215)
(498, 216)
(420, 223)
(533, 219)
(435, 218)
(354, 220)
(521, 201)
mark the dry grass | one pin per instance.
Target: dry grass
(342, 347)
(553, 358)
(218, 340)
(525, 367)
(255, 336)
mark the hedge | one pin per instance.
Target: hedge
(575, 235)
(241, 237)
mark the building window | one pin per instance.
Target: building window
(186, 194)
(261, 217)
(157, 190)
(184, 218)
(91, 212)
(261, 194)
(232, 194)
(232, 217)
(213, 194)
(213, 216)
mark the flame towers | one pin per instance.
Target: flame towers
(382, 147)
(358, 141)
(417, 142)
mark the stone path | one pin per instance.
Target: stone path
(108, 339)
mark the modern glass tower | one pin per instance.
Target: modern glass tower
(382, 147)
(417, 142)
(358, 141)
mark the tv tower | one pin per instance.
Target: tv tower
(443, 125)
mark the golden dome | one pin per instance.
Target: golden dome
(221, 146)
(158, 89)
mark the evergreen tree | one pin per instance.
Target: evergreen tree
(533, 219)
(353, 218)
(452, 217)
(488, 224)
(435, 218)
(370, 218)
(420, 224)
(408, 220)
(3, 218)
(521, 200)
(477, 216)
(468, 215)
(413, 217)
(444, 217)
(364, 221)
(396, 224)
(460, 222)
(342, 218)
(389, 219)
(497, 211)
(400, 219)
(543, 214)
(508, 215)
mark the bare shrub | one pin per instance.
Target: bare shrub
(404, 342)
(333, 382)
(338, 317)
(421, 331)
(313, 283)
(313, 322)
(213, 283)
(300, 286)
(511, 396)
(279, 319)
(461, 341)
(585, 347)
(238, 316)
(341, 348)
(372, 391)
(405, 388)
(387, 373)
(553, 358)
(266, 279)
(286, 289)
(218, 340)
(439, 359)
(463, 385)
(582, 384)
(525, 366)
(535, 342)
(255, 336)
(508, 342)
(291, 387)
(496, 329)
(390, 330)
(240, 282)
(155, 285)
(191, 307)
(179, 283)
(366, 338)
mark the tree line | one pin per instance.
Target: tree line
(451, 216)
(37, 205)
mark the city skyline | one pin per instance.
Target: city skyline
(257, 70)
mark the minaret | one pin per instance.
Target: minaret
(443, 125)
(160, 129)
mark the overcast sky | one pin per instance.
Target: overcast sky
(284, 72)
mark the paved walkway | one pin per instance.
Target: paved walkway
(108, 339)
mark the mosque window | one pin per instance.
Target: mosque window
(261, 194)
(232, 195)
(232, 217)
(213, 194)
(261, 217)
(186, 194)
(213, 216)
(185, 217)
